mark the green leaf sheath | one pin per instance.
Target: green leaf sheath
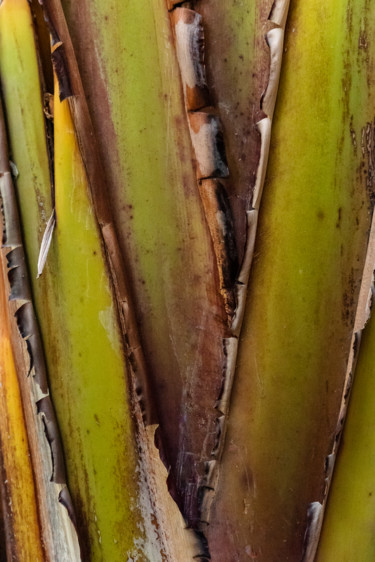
(347, 532)
(75, 309)
(310, 251)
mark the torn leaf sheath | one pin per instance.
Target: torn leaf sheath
(236, 53)
(13, 76)
(298, 322)
(190, 54)
(22, 528)
(208, 144)
(159, 217)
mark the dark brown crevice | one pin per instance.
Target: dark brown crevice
(43, 50)
(61, 68)
(45, 409)
(66, 500)
(43, 45)
(174, 4)
(209, 152)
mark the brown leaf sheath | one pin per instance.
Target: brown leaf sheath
(186, 362)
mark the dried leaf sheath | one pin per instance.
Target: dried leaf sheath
(19, 497)
(237, 68)
(207, 140)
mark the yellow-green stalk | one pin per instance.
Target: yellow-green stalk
(310, 252)
(347, 532)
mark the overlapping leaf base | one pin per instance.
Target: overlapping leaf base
(199, 268)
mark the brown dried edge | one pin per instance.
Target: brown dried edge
(210, 159)
(57, 524)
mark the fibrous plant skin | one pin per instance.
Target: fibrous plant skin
(140, 179)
